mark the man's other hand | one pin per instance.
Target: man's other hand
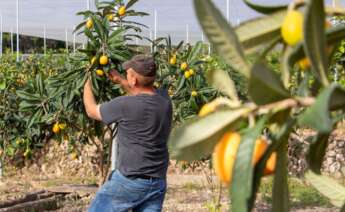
(115, 77)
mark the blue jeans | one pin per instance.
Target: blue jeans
(123, 194)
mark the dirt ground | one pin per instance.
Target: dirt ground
(186, 192)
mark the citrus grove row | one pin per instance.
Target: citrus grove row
(273, 75)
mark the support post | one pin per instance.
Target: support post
(17, 30)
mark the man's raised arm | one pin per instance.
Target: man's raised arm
(91, 106)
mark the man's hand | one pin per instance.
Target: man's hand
(116, 77)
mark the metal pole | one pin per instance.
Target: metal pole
(12, 40)
(66, 39)
(17, 30)
(74, 37)
(228, 10)
(88, 4)
(155, 35)
(45, 39)
(151, 39)
(1, 34)
(202, 37)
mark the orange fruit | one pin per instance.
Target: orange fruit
(173, 60)
(184, 66)
(225, 153)
(292, 27)
(103, 60)
(191, 71)
(100, 72)
(187, 74)
(122, 11)
(56, 128)
(89, 23)
(110, 17)
(194, 93)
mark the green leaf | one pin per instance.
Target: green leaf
(318, 115)
(317, 151)
(265, 9)
(221, 35)
(334, 35)
(327, 187)
(241, 187)
(280, 194)
(2, 85)
(193, 55)
(279, 138)
(265, 86)
(315, 40)
(197, 137)
(256, 32)
(131, 3)
(222, 81)
(285, 68)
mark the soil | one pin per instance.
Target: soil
(186, 192)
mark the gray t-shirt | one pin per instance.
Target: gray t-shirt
(144, 125)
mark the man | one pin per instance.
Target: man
(144, 124)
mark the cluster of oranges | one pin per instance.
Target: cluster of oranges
(225, 152)
(57, 127)
(121, 12)
(103, 60)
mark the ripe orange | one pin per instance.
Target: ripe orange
(186, 74)
(225, 153)
(191, 71)
(103, 60)
(100, 72)
(56, 128)
(173, 60)
(110, 17)
(122, 11)
(62, 126)
(184, 66)
(292, 27)
(89, 23)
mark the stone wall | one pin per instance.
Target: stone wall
(334, 161)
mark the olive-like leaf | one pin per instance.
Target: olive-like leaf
(256, 32)
(264, 9)
(222, 81)
(315, 40)
(318, 115)
(241, 187)
(317, 151)
(265, 85)
(197, 137)
(327, 187)
(280, 192)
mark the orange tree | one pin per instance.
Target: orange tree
(17, 139)
(53, 104)
(233, 129)
(182, 71)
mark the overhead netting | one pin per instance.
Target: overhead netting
(57, 19)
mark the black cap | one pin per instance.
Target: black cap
(142, 64)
